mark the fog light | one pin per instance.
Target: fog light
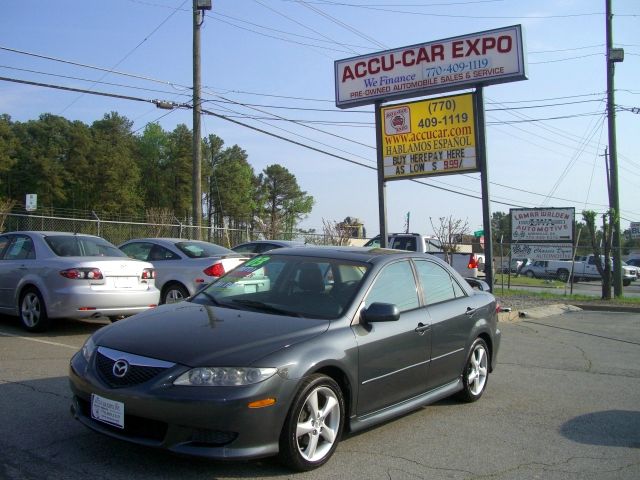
(265, 402)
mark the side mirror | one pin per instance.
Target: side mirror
(381, 312)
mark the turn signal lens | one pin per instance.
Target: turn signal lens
(265, 402)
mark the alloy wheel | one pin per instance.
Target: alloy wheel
(318, 424)
(477, 370)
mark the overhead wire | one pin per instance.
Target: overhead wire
(127, 55)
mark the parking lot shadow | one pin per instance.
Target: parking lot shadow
(40, 439)
(611, 428)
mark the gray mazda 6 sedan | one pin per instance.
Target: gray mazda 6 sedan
(336, 339)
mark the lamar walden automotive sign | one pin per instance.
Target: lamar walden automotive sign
(484, 58)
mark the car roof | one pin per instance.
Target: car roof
(275, 242)
(48, 233)
(362, 254)
(168, 240)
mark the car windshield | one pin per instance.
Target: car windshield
(81, 246)
(288, 285)
(195, 249)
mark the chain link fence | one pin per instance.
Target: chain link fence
(117, 232)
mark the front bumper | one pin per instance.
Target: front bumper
(212, 422)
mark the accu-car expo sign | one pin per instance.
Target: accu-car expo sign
(484, 58)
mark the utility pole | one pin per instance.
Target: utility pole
(613, 55)
(199, 6)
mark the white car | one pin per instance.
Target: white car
(182, 266)
(47, 275)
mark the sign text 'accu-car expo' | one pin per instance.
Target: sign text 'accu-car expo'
(483, 58)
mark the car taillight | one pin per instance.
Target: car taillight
(498, 308)
(215, 270)
(473, 261)
(148, 274)
(82, 273)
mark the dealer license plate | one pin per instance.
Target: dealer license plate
(107, 411)
(125, 282)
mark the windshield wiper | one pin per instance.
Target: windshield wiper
(264, 307)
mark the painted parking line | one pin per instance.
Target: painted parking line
(37, 340)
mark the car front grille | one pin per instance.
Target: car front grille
(135, 375)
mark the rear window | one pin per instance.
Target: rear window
(80, 246)
(195, 249)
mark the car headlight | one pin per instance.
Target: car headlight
(88, 348)
(224, 376)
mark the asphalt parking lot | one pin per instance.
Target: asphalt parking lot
(564, 403)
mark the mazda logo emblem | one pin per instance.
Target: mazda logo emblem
(120, 368)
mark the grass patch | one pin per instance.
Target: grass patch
(526, 281)
(561, 296)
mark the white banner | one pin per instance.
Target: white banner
(531, 225)
(542, 251)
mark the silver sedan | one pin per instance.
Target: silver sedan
(182, 266)
(47, 275)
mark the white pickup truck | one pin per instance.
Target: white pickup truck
(466, 264)
(584, 268)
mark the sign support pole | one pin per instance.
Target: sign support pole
(382, 186)
(484, 180)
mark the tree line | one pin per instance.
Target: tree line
(108, 168)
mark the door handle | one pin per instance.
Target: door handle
(470, 311)
(422, 328)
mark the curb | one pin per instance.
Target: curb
(609, 308)
(561, 308)
(537, 312)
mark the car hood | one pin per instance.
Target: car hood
(200, 335)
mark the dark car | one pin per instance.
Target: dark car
(261, 246)
(342, 339)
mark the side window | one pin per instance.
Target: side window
(437, 284)
(20, 249)
(245, 249)
(405, 243)
(161, 253)
(395, 284)
(138, 250)
(4, 242)
(265, 247)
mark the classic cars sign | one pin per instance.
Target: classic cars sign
(542, 251)
(484, 58)
(531, 225)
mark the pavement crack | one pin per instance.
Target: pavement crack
(34, 389)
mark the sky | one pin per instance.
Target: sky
(269, 64)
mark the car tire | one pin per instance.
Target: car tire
(314, 424)
(563, 275)
(174, 292)
(626, 282)
(32, 311)
(530, 274)
(476, 372)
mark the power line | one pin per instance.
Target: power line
(301, 24)
(509, 203)
(127, 55)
